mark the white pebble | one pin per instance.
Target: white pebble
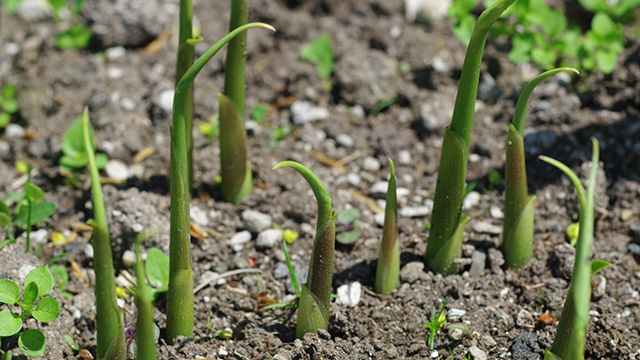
(13, 131)
(198, 216)
(404, 157)
(456, 313)
(496, 212)
(353, 179)
(115, 53)
(484, 227)
(128, 258)
(115, 72)
(239, 240)
(256, 221)
(303, 112)
(166, 100)
(472, 199)
(345, 140)
(379, 188)
(24, 270)
(128, 104)
(370, 164)
(268, 238)
(349, 294)
(11, 48)
(116, 169)
(379, 219)
(418, 211)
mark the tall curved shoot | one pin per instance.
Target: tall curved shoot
(180, 297)
(185, 60)
(313, 308)
(111, 339)
(447, 230)
(570, 337)
(388, 267)
(517, 234)
(234, 165)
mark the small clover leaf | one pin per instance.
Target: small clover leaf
(9, 292)
(10, 323)
(32, 343)
(47, 310)
(30, 295)
(42, 277)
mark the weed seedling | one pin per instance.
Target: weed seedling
(8, 104)
(570, 337)
(439, 321)
(447, 230)
(222, 334)
(388, 267)
(313, 310)
(38, 283)
(320, 53)
(348, 229)
(74, 154)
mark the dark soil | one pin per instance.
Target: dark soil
(372, 41)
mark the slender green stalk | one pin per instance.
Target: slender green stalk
(185, 60)
(111, 340)
(180, 297)
(570, 337)
(146, 345)
(313, 310)
(388, 267)
(446, 219)
(236, 182)
(517, 234)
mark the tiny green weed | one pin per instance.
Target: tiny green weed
(8, 104)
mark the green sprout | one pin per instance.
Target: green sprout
(349, 229)
(76, 37)
(145, 328)
(313, 310)
(517, 234)
(320, 53)
(235, 168)
(573, 230)
(570, 337)
(294, 281)
(438, 321)
(447, 230)
(388, 267)
(8, 104)
(74, 154)
(223, 334)
(180, 297)
(109, 323)
(38, 283)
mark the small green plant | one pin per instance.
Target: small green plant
(348, 226)
(320, 53)
(439, 321)
(38, 283)
(61, 277)
(157, 271)
(517, 234)
(180, 293)
(76, 37)
(74, 154)
(315, 295)
(109, 322)
(31, 208)
(388, 267)
(573, 230)
(222, 334)
(570, 337)
(447, 222)
(8, 104)
(146, 332)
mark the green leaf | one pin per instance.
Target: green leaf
(348, 216)
(555, 23)
(258, 113)
(10, 105)
(72, 142)
(602, 25)
(463, 29)
(9, 292)
(30, 294)
(10, 323)
(57, 4)
(77, 37)
(47, 309)
(157, 268)
(4, 119)
(320, 53)
(8, 91)
(593, 5)
(75, 161)
(39, 212)
(4, 209)
(42, 277)
(349, 237)
(606, 60)
(597, 265)
(544, 57)
(60, 275)
(34, 192)
(71, 344)
(32, 343)
(5, 220)
(101, 160)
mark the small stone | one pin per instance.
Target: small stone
(303, 112)
(349, 294)
(115, 53)
(456, 313)
(324, 334)
(282, 355)
(526, 347)
(434, 354)
(634, 248)
(268, 238)
(456, 333)
(414, 212)
(198, 216)
(128, 258)
(402, 192)
(434, 10)
(477, 354)
(484, 227)
(353, 179)
(34, 10)
(357, 110)
(626, 214)
(625, 313)
(11, 48)
(345, 140)
(239, 262)
(488, 341)
(281, 270)
(371, 164)
(39, 236)
(430, 119)
(13, 131)
(116, 169)
(440, 65)
(222, 351)
(256, 221)
(115, 72)
(472, 199)
(404, 157)
(379, 188)
(478, 262)
(496, 212)
(137, 228)
(88, 251)
(5, 148)
(239, 240)
(412, 272)
(128, 104)
(524, 318)
(379, 219)
(165, 101)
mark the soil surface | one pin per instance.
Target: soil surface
(125, 78)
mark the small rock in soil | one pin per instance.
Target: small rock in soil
(477, 354)
(5, 149)
(634, 248)
(13, 131)
(349, 294)
(282, 355)
(404, 157)
(488, 341)
(268, 238)
(324, 334)
(280, 270)
(239, 240)
(371, 164)
(485, 227)
(488, 89)
(526, 347)
(34, 10)
(379, 219)
(380, 188)
(478, 262)
(524, 318)
(357, 111)
(128, 258)
(456, 313)
(116, 169)
(39, 236)
(472, 199)
(599, 285)
(434, 10)
(412, 272)
(256, 221)
(353, 179)
(303, 112)
(115, 53)
(496, 212)
(198, 216)
(496, 260)
(414, 212)
(456, 334)
(562, 260)
(345, 140)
